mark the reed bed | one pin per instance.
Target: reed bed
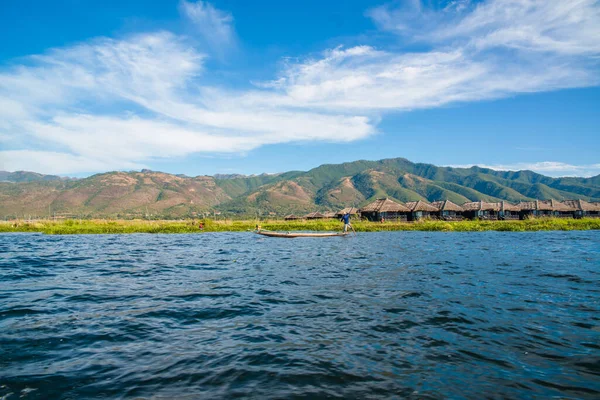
(192, 226)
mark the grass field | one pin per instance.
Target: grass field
(189, 226)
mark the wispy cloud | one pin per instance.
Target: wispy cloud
(363, 78)
(563, 27)
(550, 168)
(121, 103)
(214, 25)
(495, 49)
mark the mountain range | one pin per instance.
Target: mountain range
(328, 187)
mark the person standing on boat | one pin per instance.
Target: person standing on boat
(346, 220)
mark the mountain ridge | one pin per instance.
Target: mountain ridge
(157, 194)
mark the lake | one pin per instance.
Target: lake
(421, 315)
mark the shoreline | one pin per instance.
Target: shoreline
(191, 226)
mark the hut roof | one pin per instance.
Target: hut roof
(481, 206)
(544, 205)
(446, 205)
(528, 205)
(506, 206)
(420, 206)
(329, 214)
(349, 210)
(558, 206)
(582, 205)
(314, 215)
(291, 216)
(384, 205)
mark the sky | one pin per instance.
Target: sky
(240, 87)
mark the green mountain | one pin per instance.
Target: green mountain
(328, 187)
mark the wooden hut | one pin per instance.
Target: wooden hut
(583, 209)
(481, 210)
(448, 211)
(314, 215)
(420, 209)
(329, 214)
(508, 211)
(353, 211)
(291, 217)
(560, 210)
(385, 209)
(535, 209)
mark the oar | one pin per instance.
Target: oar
(353, 229)
(351, 209)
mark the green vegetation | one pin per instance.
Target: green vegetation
(191, 226)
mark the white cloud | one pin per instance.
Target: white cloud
(485, 51)
(378, 80)
(214, 25)
(550, 168)
(565, 27)
(124, 102)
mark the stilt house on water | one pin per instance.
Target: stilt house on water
(535, 209)
(481, 210)
(386, 209)
(420, 209)
(448, 211)
(560, 210)
(583, 209)
(508, 210)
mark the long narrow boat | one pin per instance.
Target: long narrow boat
(299, 234)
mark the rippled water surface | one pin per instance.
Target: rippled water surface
(226, 315)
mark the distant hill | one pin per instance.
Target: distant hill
(328, 187)
(24, 176)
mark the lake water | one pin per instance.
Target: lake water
(224, 315)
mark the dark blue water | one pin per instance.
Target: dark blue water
(381, 315)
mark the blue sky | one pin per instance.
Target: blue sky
(267, 86)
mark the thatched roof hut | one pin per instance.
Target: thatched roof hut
(558, 206)
(480, 206)
(582, 205)
(448, 211)
(314, 215)
(291, 217)
(447, 205)
(384, 205)
(481, 209)
(420, 209)
(535, 205)
(584, 208)
(506, 206)
(508, 210)
(384, 209)
(420, 206)
(329, 214)
(546, 208)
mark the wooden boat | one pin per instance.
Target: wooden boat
(300, 234)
